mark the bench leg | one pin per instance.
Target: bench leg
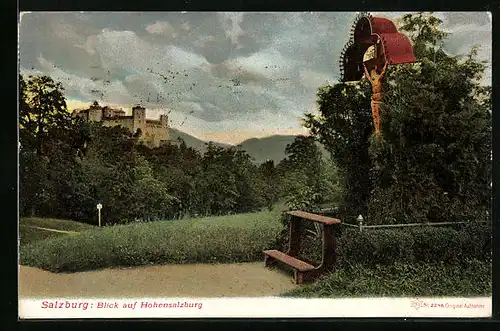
(299, 277)
(295, 230)
(302, 277)
(269, 261)
(329, 246)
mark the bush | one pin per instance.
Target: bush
(473, 278)
(418, 244)
(209, 240)
(412, 244)
(374, 246)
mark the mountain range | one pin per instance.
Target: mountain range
(260, 149)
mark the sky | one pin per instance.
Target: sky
(221, 76)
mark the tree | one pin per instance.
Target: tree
(309, 180)
(433, 160)
(42, 109)
(344, 128)
(424, 32)
(177, 167)
(270, 184)
(46, 141)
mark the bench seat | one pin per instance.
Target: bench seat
(314, 217)
(289, 260)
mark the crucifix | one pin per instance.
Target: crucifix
(375, 68)
(375, 44)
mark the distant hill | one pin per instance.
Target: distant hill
(271, 148)
(191, 141)
(261, 149)
(268, 148)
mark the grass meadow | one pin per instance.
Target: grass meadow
(33, 229)
(377, 263)
(224, 239)
(471, 278)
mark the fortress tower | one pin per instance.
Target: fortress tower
(164, 121)
(153, 132)
(95, 112)
(139, 119)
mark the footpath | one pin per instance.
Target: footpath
(186, 280)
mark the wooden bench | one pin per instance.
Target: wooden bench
(304, 271)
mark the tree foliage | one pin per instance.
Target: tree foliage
(433, 159)
(308, 180)
(42, 109)
(344, 128)
(76, 164)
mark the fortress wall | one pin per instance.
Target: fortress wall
(155, 132)
(152, 124)
(125, 122)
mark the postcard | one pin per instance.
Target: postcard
(254, 164)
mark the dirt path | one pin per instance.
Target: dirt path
(190, 280)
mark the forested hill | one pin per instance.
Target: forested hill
(270, 148)
(191, 141)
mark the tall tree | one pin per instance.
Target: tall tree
(309, 179)
(270, 183)
(44, 130)
(433, 160)
(344, 128)
(42, 108)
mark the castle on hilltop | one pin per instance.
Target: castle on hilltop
(153, 132)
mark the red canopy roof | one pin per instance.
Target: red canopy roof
(366, 32)
(382, 25)
(397, 47)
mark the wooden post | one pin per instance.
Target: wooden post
(329, 246)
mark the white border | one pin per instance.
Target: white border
(255, 308)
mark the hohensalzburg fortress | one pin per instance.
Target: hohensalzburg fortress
(153, 132)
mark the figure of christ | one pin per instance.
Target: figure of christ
(376, 77)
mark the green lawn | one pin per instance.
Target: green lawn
(224, 239)
(56, 224)
(240, 238)
(32, 229)
(471, 278)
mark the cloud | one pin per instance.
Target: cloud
(267, 62)
(77, 87)
(214, 72)
(231, 24)
(90, 45)
(311, 78)
(162, 28)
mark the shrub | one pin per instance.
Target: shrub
(406, 245)
(418, 244)
(375, 246)
(210, 240)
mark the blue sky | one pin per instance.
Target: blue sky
(219, 76)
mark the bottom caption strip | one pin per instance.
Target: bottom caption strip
(65, 304)
(254, 307)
